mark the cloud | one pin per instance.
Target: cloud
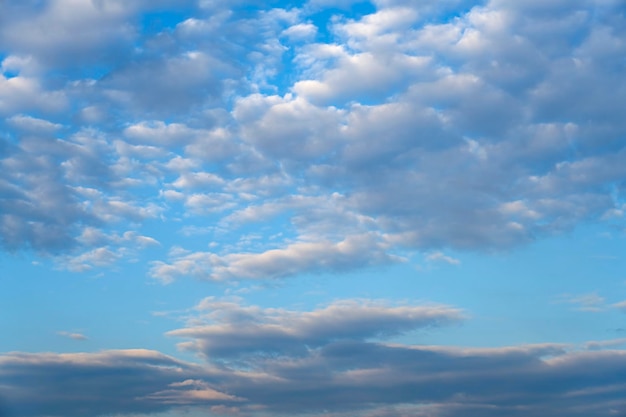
(298, 257)
(301, 31)
(190, 392)
(26, 94)
(591, 302)
(621, 306)
(226, 329)
(38, 209)
(329, 360)
(446, 381)
(441, 257)
(33, 124)
(406, 128)
(104, 383)
(186, 80)
(605, 344)
(104, 26)
(341, 377)
(73, 336)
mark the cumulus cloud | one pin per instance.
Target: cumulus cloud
(456, 126)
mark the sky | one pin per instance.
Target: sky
(323, 208)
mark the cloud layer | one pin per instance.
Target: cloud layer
(408, 128)
(331, 361)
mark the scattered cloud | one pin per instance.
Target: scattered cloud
(409, 119)
(270, 141)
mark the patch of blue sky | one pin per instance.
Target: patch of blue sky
(112, 309)
(445, 12)
(8, 73)
(325, 17)
(525, 296)
(163, 21)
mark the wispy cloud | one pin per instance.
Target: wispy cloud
(73, 335)
(440, 257)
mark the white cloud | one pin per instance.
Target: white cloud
(621, 306)
(301, 31)
(198, 180)
(33, 124)
(441, 257)
(298, 257)
(160, 133)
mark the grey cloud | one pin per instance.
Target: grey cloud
(227, 330)
(52, 189)
(534, 381)
(33, 124)
(430, 180)
(67, 34)
(38, 210)
(171, 84)
(337, 378)
(48, 30)
(104, 383)
(26, 93)
(289, 130)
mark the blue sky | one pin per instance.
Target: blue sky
(322, 208)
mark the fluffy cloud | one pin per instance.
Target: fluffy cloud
(481, 129)
(47, 30)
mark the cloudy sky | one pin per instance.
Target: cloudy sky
(337, 208)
